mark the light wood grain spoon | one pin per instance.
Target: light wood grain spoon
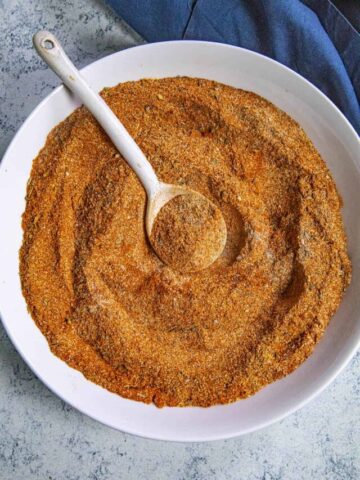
(158, 193)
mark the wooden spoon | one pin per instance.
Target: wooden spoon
(158, 193)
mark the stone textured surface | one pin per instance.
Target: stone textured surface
(43, 438)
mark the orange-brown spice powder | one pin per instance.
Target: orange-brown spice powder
(111, 309)
(188, 233)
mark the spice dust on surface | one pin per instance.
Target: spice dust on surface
(107, 304)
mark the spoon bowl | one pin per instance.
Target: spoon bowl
(200, 237)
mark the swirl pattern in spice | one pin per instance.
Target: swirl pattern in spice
(111, 309)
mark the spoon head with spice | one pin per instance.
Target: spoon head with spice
(186, 230)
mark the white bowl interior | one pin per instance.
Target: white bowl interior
(338, 145)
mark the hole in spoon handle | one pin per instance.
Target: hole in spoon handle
(46, 44)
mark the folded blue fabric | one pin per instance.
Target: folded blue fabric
(309, 36)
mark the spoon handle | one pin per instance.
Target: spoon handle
(51, 51)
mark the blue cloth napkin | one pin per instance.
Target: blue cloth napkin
(310, 36)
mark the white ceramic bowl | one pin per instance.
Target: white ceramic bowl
(333, 137)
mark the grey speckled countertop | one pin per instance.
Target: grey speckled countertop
(43, 438)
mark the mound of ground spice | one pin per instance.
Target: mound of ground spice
(188, 233)
(111, 309)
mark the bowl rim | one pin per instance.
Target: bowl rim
(176, 438)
